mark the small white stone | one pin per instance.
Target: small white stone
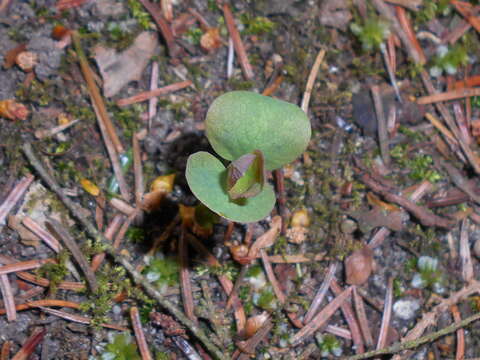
(405, 309)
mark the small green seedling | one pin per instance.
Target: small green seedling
(121, 347)
(428, 275)
(328, 344)
(449, 60)
(256, 134)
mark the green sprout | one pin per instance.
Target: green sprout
(163, 271)
(257, 25)
(448, 60)
(257, 134)
(420, 166)
(428, 275)
(121, 348)
(372, 34)
(328, 344)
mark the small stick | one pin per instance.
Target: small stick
(391, 72)
(13, 197)
(460, 353)
(382, 126)
(458, 93)
(187, 349)
(44, 302)
(30, 345)
(146, 95)
(152, 103)
(122, 206)
(137, 277)
(163, 27)
(139, 334)
(5, 354)
(271, 277)
(281, 198)
(412, 344)
(164, 236)
(466, 257)
(42, 234)
(78, 319)
(321, 318)
(347, 311)
(413, 5)
(185, 284)
(46, 133)
(8, 299)
(22, 266)
(110, 138)
(230, 58)
(248, 346)
(112, 228)
(387, 313)
(338, 331)
(123, 229)
(362, 318)
(237, 42)
(137, 171)
(311, 80)
(61, 233)
(406, 26)
(320, 295)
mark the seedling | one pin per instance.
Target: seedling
(449, 60)
(257, 134)
(328, 344)
(428, 275)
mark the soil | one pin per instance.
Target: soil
(282, 40)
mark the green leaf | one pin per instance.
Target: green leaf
(207, 178)
(240, 122)
(246, 176)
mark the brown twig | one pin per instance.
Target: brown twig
(8, 299)
(139, 335)
(237, 42)
(137, 171)
(272, 278)
(185, 284)
(44, 302)
(422, 214)
(460, 353)
(407, 27)
(13, 197)
(320, 295)
(164, 236)
(112, 228)
(362, 318)
(413, 5)
(163, 27)
(311, 80)
(281, 198)
(152, 103)
(381, 125)
(146, 95)
(61, 233)
(22, 266)
(465, 256)
(79, 319)
(42, 234)
(387, 313)
(5, 353)
(248, 346)
(321, 318)
(30, 344)
(349, 317)
(112, 142)
(449, 95)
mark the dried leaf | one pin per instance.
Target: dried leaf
(12, 110)
(90, 187)
(26, 60)
(370, 219)
(359, 266)
(27, 237)
(211, 40)
(11, 55)
(118, 70)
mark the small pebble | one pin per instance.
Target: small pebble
(405, 309)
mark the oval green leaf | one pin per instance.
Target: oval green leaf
(207, 178)
(240, 122)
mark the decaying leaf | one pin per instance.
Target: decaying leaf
(246, 176)
(11, 55)
(27, 237)
(117, 69)
(12, 110)
(26, 60)
(160, 187)
(359, 266)
(90, 187)
(211, 40)
(370, 219)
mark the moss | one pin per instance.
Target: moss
(139, 13)
(111, 281)
(194, 35)
(420, 166)
(431, 9)
(164, 272)
(55, 273)
(257, 25)
(135, 234)
(229, 269)
(41, 93)
(123, 347)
